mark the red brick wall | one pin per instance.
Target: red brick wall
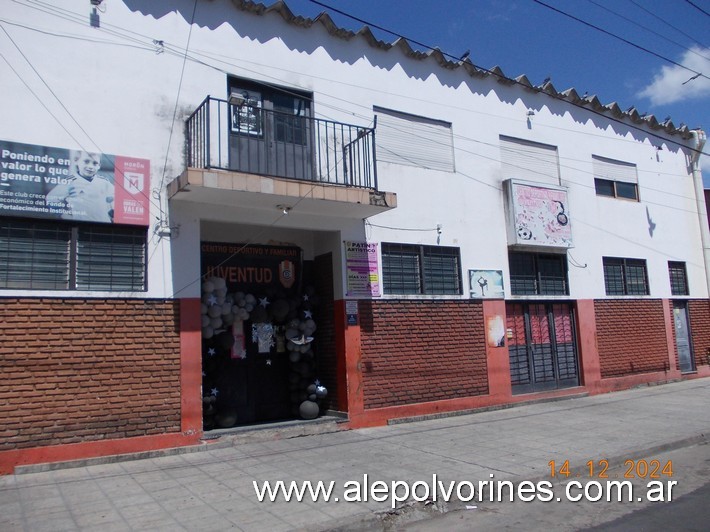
(699, 311)
(631, 336)
(77, 370)
(415, 351)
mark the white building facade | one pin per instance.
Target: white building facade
(296, 206)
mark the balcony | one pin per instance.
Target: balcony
(252, 140)
(244, 161)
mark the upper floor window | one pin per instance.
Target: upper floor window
(413, 140)
(538, 273)
(530, 161)
(678, 277)
(415, 269)
(625, 276)
(40, 255)
(615, 179)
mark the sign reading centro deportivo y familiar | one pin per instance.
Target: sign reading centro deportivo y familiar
(57, 183)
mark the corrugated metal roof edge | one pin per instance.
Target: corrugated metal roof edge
(570, 95)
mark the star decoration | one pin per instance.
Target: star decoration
(268, 361)
(211, 351)
(204, 374)
(214, 391)
(264, 302)
(243, 354)
(308, 314)
(317, 382)
(212, 300)
(305, 297)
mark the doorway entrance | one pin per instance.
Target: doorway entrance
(271, 132)
(682, 337)
(542, 344)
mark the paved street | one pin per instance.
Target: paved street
(212, 489)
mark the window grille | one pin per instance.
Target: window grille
(412, 269)
(63, 256)
(625, 276)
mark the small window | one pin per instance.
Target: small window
(412, 269)
(63, 256)
(538, 274)
(615, 179)
(414, 140)
(679, 278)
(625, 276)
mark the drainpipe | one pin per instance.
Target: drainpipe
(699, 139)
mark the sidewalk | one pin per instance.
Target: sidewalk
(212, 489)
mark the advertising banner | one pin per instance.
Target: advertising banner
(540, 215)
(57, 183)
(361, 269)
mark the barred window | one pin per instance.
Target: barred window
(625, 276)
(40, 255)
(538, 273)
(679, 278)
(412, 269)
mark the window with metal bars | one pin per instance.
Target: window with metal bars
(679, 278)
(625, 276)
(413, 269)
(39, 255)
(538, 274)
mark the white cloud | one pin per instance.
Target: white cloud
(667, 86)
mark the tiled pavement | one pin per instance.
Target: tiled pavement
(212, 489)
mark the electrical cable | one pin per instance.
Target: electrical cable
(177, 101)
(622, 39)
(118, 182)
(657, 34)
(698, 7)
(664, 21)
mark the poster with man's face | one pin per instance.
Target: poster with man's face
(58, 183)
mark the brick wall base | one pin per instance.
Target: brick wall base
(83, 371)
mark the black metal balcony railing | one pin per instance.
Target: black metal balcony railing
(250, 139)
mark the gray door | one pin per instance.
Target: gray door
(271, 134)
(682, 336)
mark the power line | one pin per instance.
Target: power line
(177, 101)
(664, 21)
(657, 34)
(56, 97)
(698, 8)
(509, 80)
(622, 39)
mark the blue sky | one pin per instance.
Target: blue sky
(524, 37)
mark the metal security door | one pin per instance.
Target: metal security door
(541, 346)
(682, 336)
(271, 134)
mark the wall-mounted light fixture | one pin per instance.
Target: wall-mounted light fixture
(237, 98)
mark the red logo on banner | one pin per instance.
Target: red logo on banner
(287, 273)
(132, 191)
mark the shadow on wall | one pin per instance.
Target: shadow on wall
(305, 35)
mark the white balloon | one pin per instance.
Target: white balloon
(216, 323)
(208, 286)
(207, 332)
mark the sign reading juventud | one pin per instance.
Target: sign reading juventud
(57, 183)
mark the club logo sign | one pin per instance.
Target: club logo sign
(133, 182)
(287, 273)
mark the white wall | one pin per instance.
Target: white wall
(132, 92)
